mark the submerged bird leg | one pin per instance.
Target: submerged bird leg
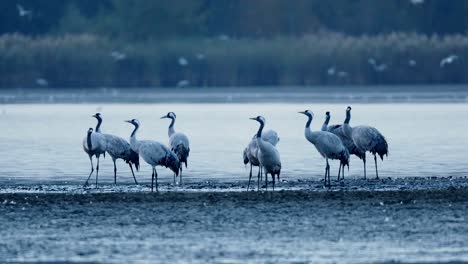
(376, 171)
(92, 170)
(115, 173)
(250, 177)
(97, 171)
(133, 174)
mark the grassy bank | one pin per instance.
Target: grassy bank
(87, 61)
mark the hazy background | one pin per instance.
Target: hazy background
(204, 43)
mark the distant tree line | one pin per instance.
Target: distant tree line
(161, 19)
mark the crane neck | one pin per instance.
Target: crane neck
(260, 129)
(325, 123)
(308, 130)
(309, 120)
(171, 129)
(133, 135)
(348, 117)
(88, 140)
(346, 127)
(98, 126)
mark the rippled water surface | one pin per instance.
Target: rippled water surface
(43, 143)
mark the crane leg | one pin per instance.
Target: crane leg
(327, 173)
(152, 180)
(342, 175)
(156, 179)
(92, 170)
(250, 177)
(266, 181)
(376, 171)
(115, 173)
(258, 177)
(174, 179)
(133, 174)
(273, 177)
(364, 160)
(180, 177)
(97, 171)
(339, 172)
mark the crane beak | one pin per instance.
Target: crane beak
(128, 121)
(162, 117)
(93, 116)
(253, 118)
(302, 112)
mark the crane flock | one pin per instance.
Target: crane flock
(333, 142)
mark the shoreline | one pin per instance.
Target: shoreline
(219, 186)
(314, 94)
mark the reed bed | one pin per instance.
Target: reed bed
(323, 59)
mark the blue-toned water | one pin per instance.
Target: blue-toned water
(42, 143)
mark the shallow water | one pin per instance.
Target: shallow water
(42, 144)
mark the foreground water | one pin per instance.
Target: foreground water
(42, 144)
(425, 226)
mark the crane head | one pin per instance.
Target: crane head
(260, 119)
(327, 113)
(307, 113)
(97, 116)
(348, 109)
(170, 115)
(134, 122)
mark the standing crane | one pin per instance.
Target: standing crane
(153, 153)
(366, 138)
(268, 155)
(99, 146)
(119, 148)
(178, 142)
(94, 144)
(250, 154)
(327, 144)
(347, 141)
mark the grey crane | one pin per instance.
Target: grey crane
(347, 141)
(153, 153)
(327, 144)
(268, 156)
(366, 138)
(119, 148)
(94, 144)
(178, 142)
(250, 154)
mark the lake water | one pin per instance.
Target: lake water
(42, 143)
